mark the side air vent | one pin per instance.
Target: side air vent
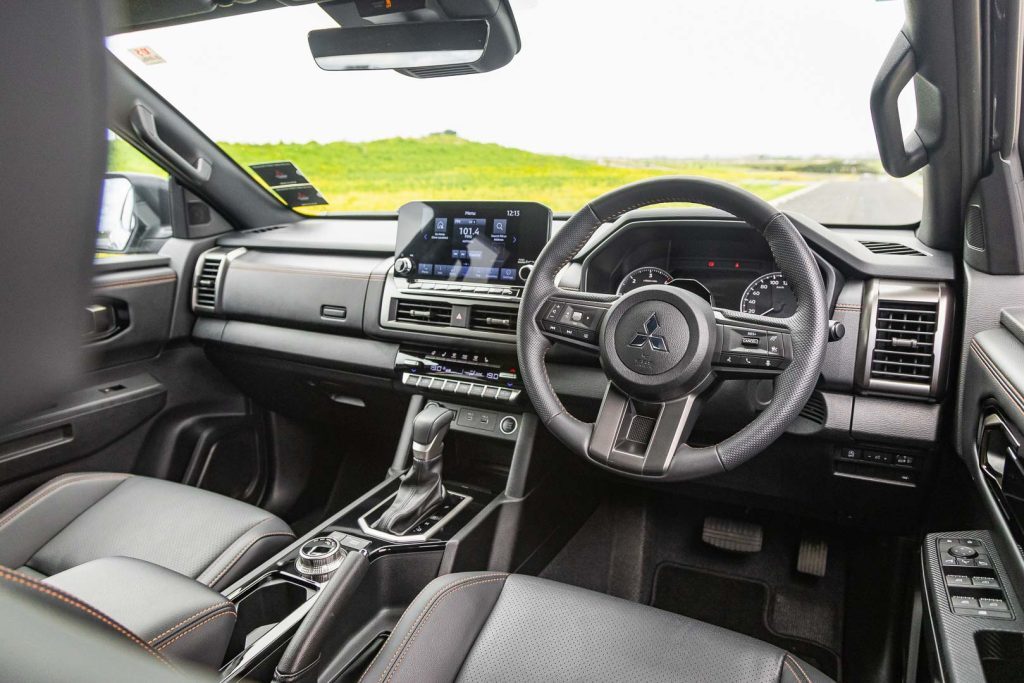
(891, 248)
(905, 330)
(437, 313)
(493, 319)
(905, 341)
(208, 272)
(815, 410)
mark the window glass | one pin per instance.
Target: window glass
(772, 96)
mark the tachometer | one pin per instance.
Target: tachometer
(769, 295)
(641, 277)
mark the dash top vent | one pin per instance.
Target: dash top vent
(905, 331)
(891, 248)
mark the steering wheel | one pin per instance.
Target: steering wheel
(662, 347)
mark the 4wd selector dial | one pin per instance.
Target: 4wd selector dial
(320, 557)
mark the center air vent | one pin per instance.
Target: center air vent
(493, 319)
(423, 312)
(891, 248)
(906, 329)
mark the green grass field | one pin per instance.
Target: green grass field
(384, 174)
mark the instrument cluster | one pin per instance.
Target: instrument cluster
(727, 264)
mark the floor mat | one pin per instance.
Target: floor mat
(736, 604)
(647, 548)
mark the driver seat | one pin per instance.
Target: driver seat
(499, 627)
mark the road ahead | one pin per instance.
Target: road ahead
(869, 200)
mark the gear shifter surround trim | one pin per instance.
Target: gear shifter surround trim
(373, 513)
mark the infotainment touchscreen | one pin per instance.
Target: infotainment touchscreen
(486, 242)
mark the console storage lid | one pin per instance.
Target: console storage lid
(178, 616)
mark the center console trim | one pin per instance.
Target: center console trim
(367, 529)
(251, 654)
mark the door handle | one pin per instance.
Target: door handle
(100, 322)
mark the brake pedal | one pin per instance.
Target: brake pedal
(732, 535)
(813, 557)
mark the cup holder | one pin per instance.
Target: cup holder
(263, 607)
(1002, 655)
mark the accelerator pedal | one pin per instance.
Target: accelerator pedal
(732, 535)
(813, 557)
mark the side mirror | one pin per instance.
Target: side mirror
(117, 214)
(135, 213)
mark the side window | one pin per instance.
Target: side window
(135, 211)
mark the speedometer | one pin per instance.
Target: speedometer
(769, 295)
(641, 277)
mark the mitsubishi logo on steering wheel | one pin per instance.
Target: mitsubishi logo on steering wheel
(648, 335)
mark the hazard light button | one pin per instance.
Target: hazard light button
(460, 316)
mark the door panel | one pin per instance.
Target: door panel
(993, 422)
(141, 302)
(82, 422)
(151, 404)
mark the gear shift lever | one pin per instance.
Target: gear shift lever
(421, 489)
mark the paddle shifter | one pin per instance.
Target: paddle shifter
(421, 490)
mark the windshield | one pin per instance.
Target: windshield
(772, 96)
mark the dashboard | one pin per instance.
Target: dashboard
(321, 315)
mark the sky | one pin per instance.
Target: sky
(594, 78)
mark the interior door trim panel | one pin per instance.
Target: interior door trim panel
(78, 425)
(145, 300)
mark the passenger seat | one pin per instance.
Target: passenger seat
(76, 518)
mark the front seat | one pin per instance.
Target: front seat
(501, 627)
(77, 518)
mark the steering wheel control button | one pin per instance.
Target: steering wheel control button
(752, 349)
(571, 321)
(508, 425)
(962, 551)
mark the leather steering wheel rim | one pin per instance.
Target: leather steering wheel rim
(808, 326)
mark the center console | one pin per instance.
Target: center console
(486, 490)
(460, 267)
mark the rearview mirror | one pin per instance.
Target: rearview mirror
(424, 43)
(399, 46)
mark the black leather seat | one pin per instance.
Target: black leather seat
(501, 627)
(77, 518)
